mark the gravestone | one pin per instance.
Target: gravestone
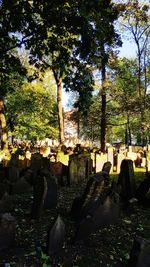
(143, 192)
(100, 160)
(50, 200)
(80, 167)
(148, 161)
(107, 167)
(55, 237)
(13, 168)
(39, 194)
(62, 157)
(60, 171)
(94, 188)
(120, 158)
(105, 213)
(6, 203)
(110, 157)
(7, 231)
(140, 253)
(21, 187)
(126, 180)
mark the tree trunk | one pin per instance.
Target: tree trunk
(58, 80)
(60, 112)
(4, 136)
(103, 109)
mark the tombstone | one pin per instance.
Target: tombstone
(21, 187)
(140, 253)
(50, 200)
(13, 168)
(45, 151)
(148, 161)
(39, 194)
(120, 158)
(142, 192)
(106, 213)
(80, 167)
(107, 167)
(93, 190)
(55, 237)
(143, 163)
(7, 231)
(73, 169)
(126, 180)
(3, 189)
(60, 171)
(62, 157)
(110, 157)
(132, 156)
(100, 160)
(6, 203)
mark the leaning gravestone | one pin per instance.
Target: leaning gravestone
(126, 180)
(7, 231)
(55, 237)
(94, 188)
(104, 212)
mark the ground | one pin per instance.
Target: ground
(106, 247)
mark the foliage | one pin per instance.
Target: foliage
(31, 110)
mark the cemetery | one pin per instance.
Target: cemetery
(73, 215)
(74, 133)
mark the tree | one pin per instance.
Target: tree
(31, 109)
(135, 19)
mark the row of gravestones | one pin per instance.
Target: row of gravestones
(97, 207)
(139, 255)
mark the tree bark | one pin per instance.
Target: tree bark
(4, 135)
(103, 109)
(60, 112)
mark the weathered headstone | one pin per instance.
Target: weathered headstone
(80, 167)
(7, 231)
(126, 180)
(55, 237)
(100, 160)
(94, 188)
